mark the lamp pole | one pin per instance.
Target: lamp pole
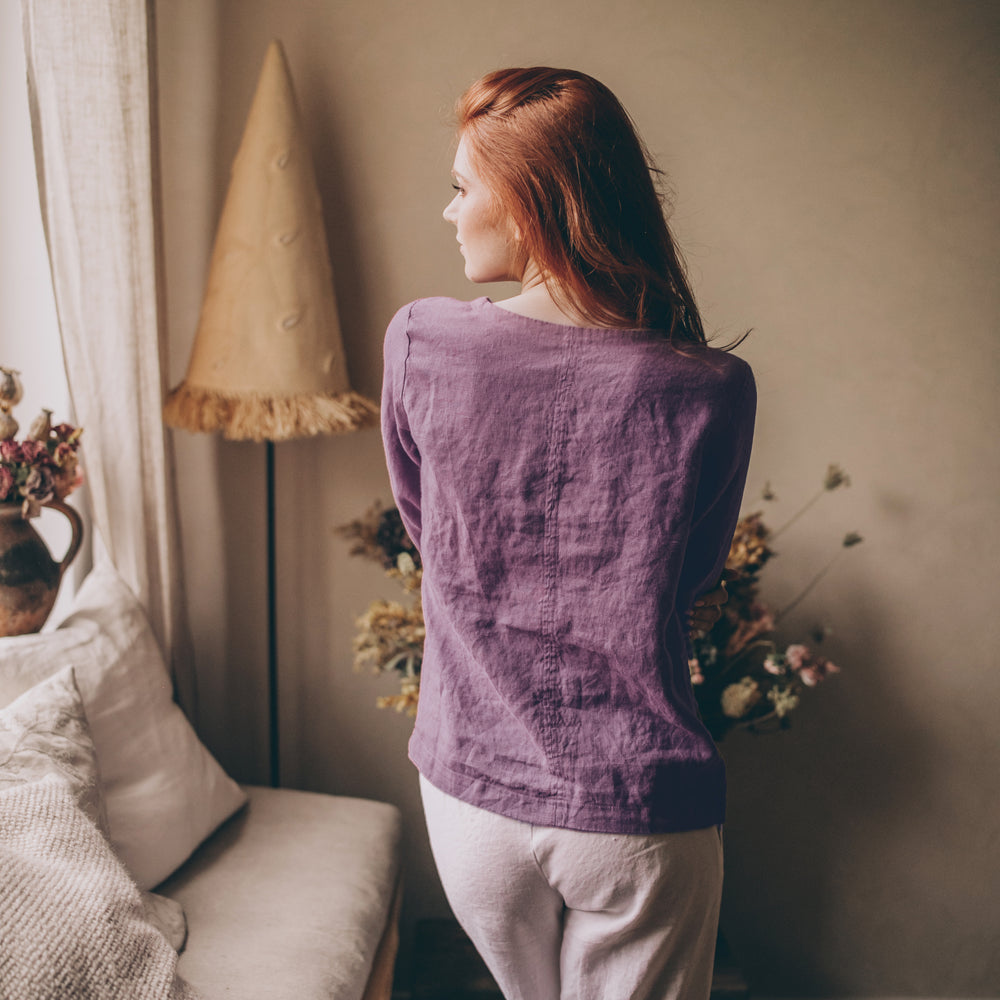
(272, 625)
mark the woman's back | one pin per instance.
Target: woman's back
(577, 487)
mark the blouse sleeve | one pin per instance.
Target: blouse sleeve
(401, 453)
(729, 445)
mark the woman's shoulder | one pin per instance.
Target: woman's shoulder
(438, 308)
(727, 378)
(716, 379)
(702, 364)
(433, 322)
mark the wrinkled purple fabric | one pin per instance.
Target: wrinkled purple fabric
(571, 491)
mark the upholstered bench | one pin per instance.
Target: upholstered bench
(106, 792)
(296, 896)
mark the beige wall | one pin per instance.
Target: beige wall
(837, 190)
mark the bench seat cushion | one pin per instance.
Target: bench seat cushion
(289, 898)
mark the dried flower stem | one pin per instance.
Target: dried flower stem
(797, 514)
(755, 722)
(808, 587)
(834, 479)
(742, 654)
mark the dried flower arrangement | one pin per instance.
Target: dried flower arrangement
(42, 467)
(741, 677)
(390, 635)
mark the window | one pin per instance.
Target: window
(29, 332)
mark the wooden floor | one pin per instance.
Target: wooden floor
(447, 967)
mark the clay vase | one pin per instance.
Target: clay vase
(29, 576)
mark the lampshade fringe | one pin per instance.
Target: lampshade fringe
(248, 417)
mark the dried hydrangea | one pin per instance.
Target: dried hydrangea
(739, 698)
(406, 700)
(783, 700)
(379, 535)
(390, 637)
(408, 572)
(749, 550)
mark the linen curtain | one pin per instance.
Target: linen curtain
(91, 90)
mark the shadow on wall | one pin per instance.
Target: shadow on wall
(362, 333)
(818, 807)
(242, 473)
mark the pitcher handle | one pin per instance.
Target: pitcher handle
(77, 524)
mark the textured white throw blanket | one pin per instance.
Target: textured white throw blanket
(71, 919)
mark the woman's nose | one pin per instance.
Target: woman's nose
(450, 213)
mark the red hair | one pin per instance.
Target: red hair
(565, 164)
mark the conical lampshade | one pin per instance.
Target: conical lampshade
(268, 360)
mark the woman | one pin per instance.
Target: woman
(570, 463)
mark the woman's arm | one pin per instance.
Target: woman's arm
(401, 453)
(712, 534)
(707, 610)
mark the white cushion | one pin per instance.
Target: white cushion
(45, 732)
(72, 921)
(163, 790)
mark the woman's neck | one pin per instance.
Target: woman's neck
(536, 302)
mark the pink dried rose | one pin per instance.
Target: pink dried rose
(37, 489)
(67, 433)
(797, 656)
(811, 668)
(39, 484)
(773, 664)
(35, 453)
(10, 451)
(65, 481)
(6, 483)
(817, 670)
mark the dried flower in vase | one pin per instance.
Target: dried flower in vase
(42, 467)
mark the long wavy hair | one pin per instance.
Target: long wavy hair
(565, 164)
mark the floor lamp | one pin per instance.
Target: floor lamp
(268, 359)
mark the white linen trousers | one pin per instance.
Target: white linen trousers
(564, 915)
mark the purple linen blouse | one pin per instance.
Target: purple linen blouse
(571, 491)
